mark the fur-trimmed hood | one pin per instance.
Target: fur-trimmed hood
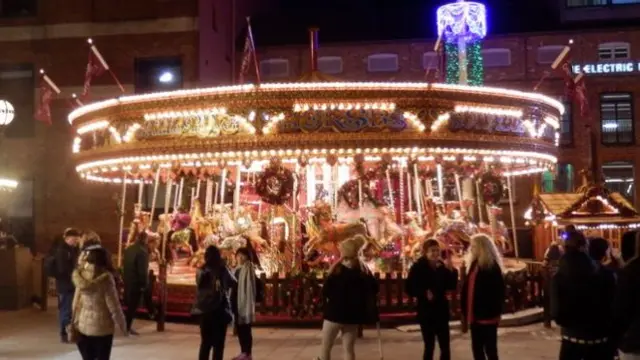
(84, 279)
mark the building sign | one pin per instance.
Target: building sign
(608, 68)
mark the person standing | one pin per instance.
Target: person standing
(581, 298)
(482, 296)
(136, 275)
(244, 299)
(96, 305)
(348, 292)
(214, 282)
(626, 307)
(66, 257)
(429, 280)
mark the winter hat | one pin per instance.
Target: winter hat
(350, 247)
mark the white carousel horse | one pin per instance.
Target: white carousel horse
(379, 220)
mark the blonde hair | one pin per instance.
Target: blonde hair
(486, 254)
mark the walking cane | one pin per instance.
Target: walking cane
(379, 341)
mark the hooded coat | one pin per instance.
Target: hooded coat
(96, 303)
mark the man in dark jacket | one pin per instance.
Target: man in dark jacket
(429, 280)
(136, 274)
(66, 258)
(627, 300)
(581, 298)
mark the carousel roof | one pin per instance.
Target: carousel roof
(198, 130)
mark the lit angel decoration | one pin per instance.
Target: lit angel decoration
(462, 25)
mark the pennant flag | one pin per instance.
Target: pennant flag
(95, 68)
(47, 90)
(580, 95)
(249, 53)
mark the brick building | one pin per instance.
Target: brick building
(187, 41)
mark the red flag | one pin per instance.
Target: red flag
(247, 53)
(562, 64)
(580, 95)
(94, 69)
(43, 112)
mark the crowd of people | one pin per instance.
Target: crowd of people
(594, 297)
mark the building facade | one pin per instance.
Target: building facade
(610, 60)
(150, 45)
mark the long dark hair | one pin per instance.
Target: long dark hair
(99, 258)
(212, 258)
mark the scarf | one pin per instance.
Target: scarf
(246, 294)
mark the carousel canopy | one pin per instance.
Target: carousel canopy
(202, 129)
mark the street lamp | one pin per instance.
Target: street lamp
(7, 114)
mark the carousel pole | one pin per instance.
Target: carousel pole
(440, 184)
(193, 199)
(140, 191)
(403, 238)
(390, 189)
(409, 192)
(198, 189)
(334, 172)
(180, 192)
(294, 221)
(513, 217)
(479, 201)
(459, 190)
(208, 197)
(122, 209)
(163, 261)
(175, 197)
(418, 195)
(156, 183)
(223, 185)
(236, 192)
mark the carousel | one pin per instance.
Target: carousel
(292, 169)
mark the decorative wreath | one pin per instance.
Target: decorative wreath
(275, 185)
(492, 189)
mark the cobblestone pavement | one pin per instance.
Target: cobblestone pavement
(31, 334)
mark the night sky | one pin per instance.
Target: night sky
(367, 20)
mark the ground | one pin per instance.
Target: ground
(32, 334)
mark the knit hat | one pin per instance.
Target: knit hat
(350, 247)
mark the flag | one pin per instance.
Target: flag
(95, 68)
(47, 90)
(249, 53)
(562, 64)
(580, 95)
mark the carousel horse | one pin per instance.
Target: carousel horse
(379, 220)
(206, 237)
(325, 235)
(415, 235)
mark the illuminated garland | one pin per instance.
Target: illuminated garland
(475, 76)
(453, 63)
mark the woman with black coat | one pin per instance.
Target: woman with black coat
(429, 281)
(350, 294)
(482, 296)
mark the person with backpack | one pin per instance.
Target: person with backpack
(349, 293)
(247, 293)
(214, 282)
(429, 280)
(60, 265)
(581, 298)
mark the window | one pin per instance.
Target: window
(614, 51)
(616, 119)
(330, 64)
(618, 177)
(565, 178)
(496, 57)
(18, 8)
(430, 60)
(158, 74)
(274, 68)
(566, 124)
(382, 63)
(548, 182)
(16, 86)
(547, 54)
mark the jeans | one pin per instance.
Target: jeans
(245, 337)
(132, 300)
(484, 342)
(330, 331)
(430, 331)
(95, 347)
(573, 351)
(65, 304)
(213, 333)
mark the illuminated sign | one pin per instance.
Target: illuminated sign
(608, 68)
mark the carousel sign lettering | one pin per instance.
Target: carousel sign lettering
(608, 68)
(201, 126)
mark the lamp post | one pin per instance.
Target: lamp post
(7, 114)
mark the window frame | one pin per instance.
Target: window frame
(425, 63)
(381, 56)
(331, 58)
(548, 47)
(496, 51)
(611, 47)
(631, 111)
(631, 198)
(275, 61)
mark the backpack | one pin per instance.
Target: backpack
(210, 294)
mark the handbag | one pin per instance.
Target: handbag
(210, 295)
(73, 335)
